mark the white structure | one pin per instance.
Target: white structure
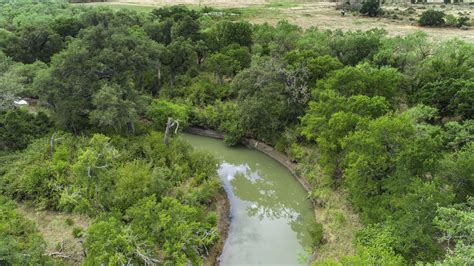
(20, 102)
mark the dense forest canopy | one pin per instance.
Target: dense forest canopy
(389, 119)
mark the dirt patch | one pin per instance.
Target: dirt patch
(58, 233)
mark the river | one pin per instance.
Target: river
(270, 213)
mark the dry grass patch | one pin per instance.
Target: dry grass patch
(57, 230)
(323, 15)
(332, 210)
(340, 224)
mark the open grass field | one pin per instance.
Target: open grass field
(319, 14)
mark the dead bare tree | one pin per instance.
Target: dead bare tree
(52, 143)
(147, 259)
(169, 126)
(62, 256)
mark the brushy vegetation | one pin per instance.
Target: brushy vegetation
(432, 18)
(370, 8)
(386, 121)
(436, 18)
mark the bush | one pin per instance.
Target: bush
(432, 18)
(451, 21)
(18, 128)
(370, 8)
(77, 232)
(317, 234)
(69, 221)
(20, 241)
(160, 110)
(463, 21)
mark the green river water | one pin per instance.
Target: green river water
(270, 214)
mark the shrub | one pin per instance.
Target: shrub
(451, 21)
(77, 232)
(160, 110)
(432, 18)
(20, 241)
(370, 8)
(69, 221)
(463, 21)
(18, 128)
(317, 234)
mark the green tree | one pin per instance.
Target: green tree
(182, 231)
(115, 108)
(374, 247)
(20, 78)
(450, 96)
(387, 173)
(159, 31)
(364, 79)
(352, 48)
(92, 177)
(32, 42)
(453, 60)
(109, 242)
(204, 91)
(5, 63)
(67, 25)
(456, 225)
(160, 110)
(228, 32)
(238, 53)
(284, 38)
(186, 28)
(136, 180)
(18, 128)
(371, 155)
(331, 118)
(180, 57)
(121, 56)
(457, 169)
(222, 65)
(404, 52)
(318, 67)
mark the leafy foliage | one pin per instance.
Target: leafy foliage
(20, 242)
(456, 224)
(370, 8)
(160, 110)
(18, 128)
(450, 96)
(432, 18)
(107, 178)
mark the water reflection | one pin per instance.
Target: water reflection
(264, 198)
(270, 215)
